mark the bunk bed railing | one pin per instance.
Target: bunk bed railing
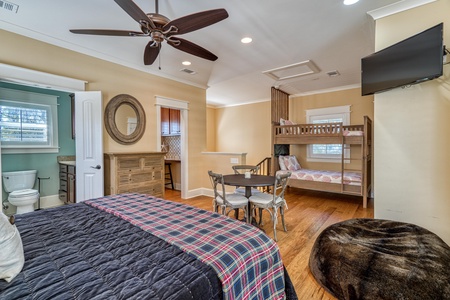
(328, 129)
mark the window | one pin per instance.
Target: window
(28, 122)
(328, 152)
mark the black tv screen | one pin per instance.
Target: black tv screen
(410, 61)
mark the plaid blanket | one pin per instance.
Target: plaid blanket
(246, 260)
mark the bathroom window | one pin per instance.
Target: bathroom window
(28, 122)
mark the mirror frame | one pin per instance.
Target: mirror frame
(110, 119)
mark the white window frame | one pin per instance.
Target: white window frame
(29, 99)
(336, 112)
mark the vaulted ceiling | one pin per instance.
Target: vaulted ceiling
(324, 40)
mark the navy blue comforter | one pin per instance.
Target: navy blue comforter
(79, 252)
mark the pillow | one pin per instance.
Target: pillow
(286, 122)
(291, 163)
(281, 163)
(11, 253)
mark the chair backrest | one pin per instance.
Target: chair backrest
(241, 169)
(217, 184)
(281, 181)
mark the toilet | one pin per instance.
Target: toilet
(19, 185)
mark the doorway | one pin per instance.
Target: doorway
(26, 77)
(182, 106)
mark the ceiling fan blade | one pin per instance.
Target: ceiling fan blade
(107, 32)
(134, 11)
(197, 21)
(191, 48)
(151, 53)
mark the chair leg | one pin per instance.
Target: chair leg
(260, 216)
(275, 221)
(282, 218)
(246, 215)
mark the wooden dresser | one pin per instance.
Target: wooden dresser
(134, 172)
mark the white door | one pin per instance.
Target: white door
(89, 145)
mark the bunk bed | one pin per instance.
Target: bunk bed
(355, 182)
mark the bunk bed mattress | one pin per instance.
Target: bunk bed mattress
(350, 178)
(97, 250)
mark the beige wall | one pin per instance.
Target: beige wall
(244, 128)
(412, 137)
(360, 107)
(112, 79)
(210, 129)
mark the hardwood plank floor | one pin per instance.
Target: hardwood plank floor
(308, 214)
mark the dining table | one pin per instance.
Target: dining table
(253, 181)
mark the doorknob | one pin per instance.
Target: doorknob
(98, 167)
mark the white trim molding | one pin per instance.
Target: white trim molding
(13, 74)
(396, 8)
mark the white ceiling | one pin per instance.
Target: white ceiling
(284, 32)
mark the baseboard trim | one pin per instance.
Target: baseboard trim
(50, 201)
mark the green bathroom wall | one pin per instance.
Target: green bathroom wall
(45, 163)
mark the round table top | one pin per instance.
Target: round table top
(254, 180)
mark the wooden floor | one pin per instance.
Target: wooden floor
(307, 215)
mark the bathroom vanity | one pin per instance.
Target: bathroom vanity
(67, 187)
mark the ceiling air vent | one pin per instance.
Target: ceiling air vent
(190, 72)
(333, 73)
(303, 68)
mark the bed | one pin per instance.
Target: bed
(135, 246)
(356, 182)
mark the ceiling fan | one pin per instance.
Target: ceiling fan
(159, 28)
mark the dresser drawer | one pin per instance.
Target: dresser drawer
(154, 189)
(63, 185)
(63, 176)
(128, 164)
(62, 168)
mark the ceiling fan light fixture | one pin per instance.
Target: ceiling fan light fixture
(350, 2)
(246, 40)
(160, 28)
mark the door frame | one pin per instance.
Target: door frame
(43, 80)
(183, 106)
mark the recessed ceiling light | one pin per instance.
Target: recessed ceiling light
(186, 63)
(350, 2)
(246, 40)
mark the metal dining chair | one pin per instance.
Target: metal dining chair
(272, 202)
(226, 201)
(241, 169)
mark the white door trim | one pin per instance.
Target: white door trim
(183, 106)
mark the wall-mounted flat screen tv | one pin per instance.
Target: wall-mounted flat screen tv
(413, 60)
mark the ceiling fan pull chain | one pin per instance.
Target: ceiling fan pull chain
(159, 59)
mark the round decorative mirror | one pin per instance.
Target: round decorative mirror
(125, 119)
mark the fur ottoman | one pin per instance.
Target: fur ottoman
(380, 259)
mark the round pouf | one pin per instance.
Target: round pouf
(381, 259)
